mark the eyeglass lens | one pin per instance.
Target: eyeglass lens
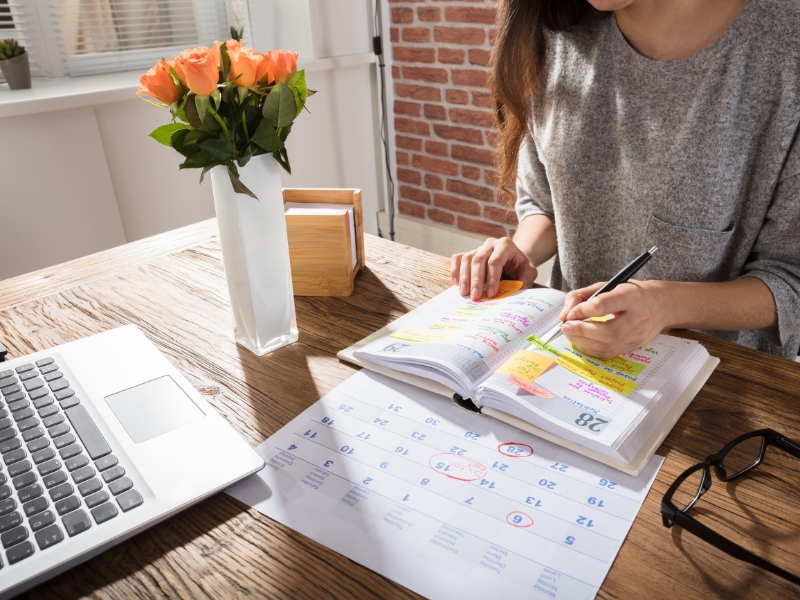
(743, 456)
(689, 490)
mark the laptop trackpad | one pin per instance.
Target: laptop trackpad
(153, 408)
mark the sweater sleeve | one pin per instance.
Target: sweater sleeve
(775, 258)
(533, 189)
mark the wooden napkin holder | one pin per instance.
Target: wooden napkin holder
(320, 247)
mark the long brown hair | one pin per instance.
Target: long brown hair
(517, 61)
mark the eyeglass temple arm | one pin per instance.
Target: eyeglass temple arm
(790, 446)
(730, 547)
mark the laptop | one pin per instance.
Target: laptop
(99, 439)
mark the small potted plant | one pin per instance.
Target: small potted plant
(14, 64)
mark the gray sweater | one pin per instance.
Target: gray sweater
(698, 156)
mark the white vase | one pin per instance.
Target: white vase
(255, 253)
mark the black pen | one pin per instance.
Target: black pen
(624, 275)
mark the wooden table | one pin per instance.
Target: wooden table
(172, 287)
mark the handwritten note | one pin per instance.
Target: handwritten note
(422, 335)
(526, 365)
(445, 502)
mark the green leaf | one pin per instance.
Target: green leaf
(216, 150)
(238, 186)
(283, 160)
(207, 168)
(195, 161)
(285, 132)
(195, 136)
(163, 134)
(280, 108)
(225, 65)
(201, 102)
(208, 124)
(297, 83)
(266, 137)
(178, 141)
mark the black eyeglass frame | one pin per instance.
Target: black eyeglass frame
(672, 515)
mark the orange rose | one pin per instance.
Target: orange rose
(198, 69)
(283, 64)
(248, 67)
(158, 83)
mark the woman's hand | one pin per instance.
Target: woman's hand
(639, 316)
(486, 265)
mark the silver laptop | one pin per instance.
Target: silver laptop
(100, 439)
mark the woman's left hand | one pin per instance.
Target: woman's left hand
(639, 316)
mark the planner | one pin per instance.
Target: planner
(491, 352)
(444, 501)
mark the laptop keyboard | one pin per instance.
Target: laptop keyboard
(58, 476)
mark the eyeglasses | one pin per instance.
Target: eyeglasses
(738, 457)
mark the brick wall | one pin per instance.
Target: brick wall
(442, 114)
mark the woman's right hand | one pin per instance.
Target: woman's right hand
(486, 266)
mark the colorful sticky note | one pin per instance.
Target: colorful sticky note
(422, 335)
(619, 363)
(583, 368)
(445, 326)
(526, 365)
(506, 288)
(532, 339)
(529, 387)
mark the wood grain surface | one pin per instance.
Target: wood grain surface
(173, 288)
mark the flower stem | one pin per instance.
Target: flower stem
(224, 127)
(244, 124)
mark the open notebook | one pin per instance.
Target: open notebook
(617, 411)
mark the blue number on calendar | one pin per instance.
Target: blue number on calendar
(444, 467)
(432, 421)
(559, 467)
(401, 451)
(328, 463)
(347, 450)
(609, 484)
(345, 408)
(585, 521)
(469, 500)
(533, 501)
(472, 436)
(457, 450)
(499, 466)
(292, 447)
(311, 434)
(363, 435)
(367, 480)
(418, 436)
(381, 422)
(328, 421)
(595, 501)
(407, 496)
(395, 408)
(547, 484)
(489, 484)
(570, 540)
(425, 481)
(384, 465)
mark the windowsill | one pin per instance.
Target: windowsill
(63, 93)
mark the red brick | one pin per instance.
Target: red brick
(470, 189)
(411, 126)
(394, 34)
(470, 77)
(402, 15)
(441, 216)
(429, 14)
(462, 134)
(409, 176)
(456, 96)
(417, 92)
(395, 72)
(490, 177)
(416, 34)
(429, 74)
(479, 118)
(502, 214)
(411, 209)
(437, 148)
(470, 14)
(408, 54)
(473, 173)
(482, 227)
(435, 165)
(483, 99)
(407, 108)
(402, 158)
(408, 143)
(433, 182)
(458, 204)
(415, 194)
(451, 56)
(470, 36)
(434, 111)
(476, 56)
(473, 155)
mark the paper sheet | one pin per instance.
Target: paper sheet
(448, 503)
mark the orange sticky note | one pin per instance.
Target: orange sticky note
(506, 288)
(526, 365)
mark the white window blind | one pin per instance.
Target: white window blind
(81, 37)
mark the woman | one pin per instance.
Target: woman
(672, 124)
